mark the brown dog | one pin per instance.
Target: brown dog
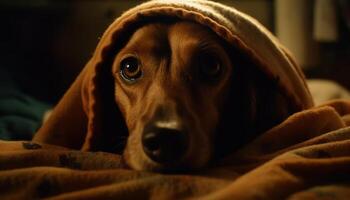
(185, 99)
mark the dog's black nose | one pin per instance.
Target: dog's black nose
(165, 145)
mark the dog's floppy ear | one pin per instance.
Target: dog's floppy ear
(255, 104)
(87, 116)
(106, 129)
(67, 123)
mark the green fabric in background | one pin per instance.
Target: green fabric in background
(20, 114)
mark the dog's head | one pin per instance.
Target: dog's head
(173, 82)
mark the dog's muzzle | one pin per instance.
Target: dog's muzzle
(165, 145)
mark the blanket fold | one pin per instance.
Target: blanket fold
(305, 157)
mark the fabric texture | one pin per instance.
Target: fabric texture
(20, 114)
(305, 157)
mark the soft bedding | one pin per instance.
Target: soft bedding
(307, 156)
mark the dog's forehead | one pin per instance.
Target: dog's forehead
(148, 37)
(162, 35)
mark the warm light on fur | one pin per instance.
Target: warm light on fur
(167, 53)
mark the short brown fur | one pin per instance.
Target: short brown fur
(171, 90)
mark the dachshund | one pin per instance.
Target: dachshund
(188, 98)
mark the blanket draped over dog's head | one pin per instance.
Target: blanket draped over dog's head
(87, 116)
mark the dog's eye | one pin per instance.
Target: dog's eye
(210, 69)
(130, 69)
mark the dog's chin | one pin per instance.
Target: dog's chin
(138, 160)
(146, 164)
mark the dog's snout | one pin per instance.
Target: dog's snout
(164, 145)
